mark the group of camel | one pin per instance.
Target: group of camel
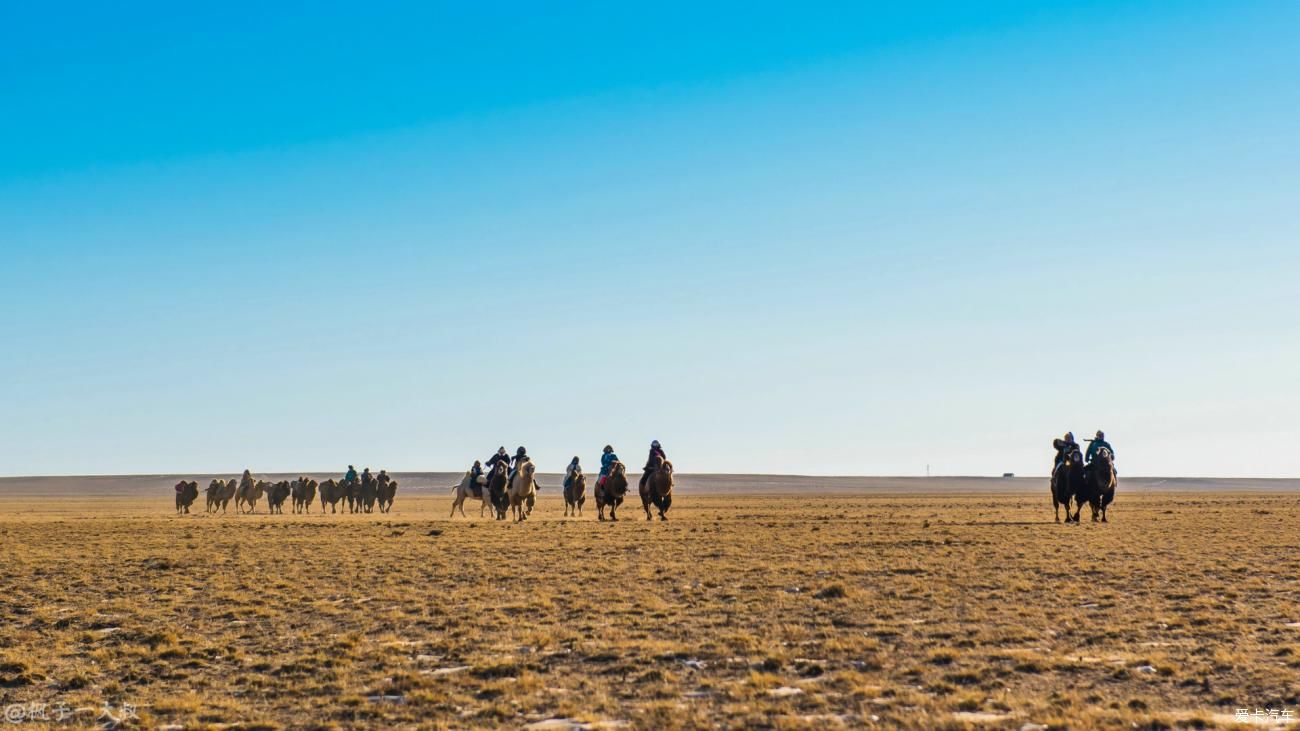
(1093, 485)
(361, 495)
(499, 492)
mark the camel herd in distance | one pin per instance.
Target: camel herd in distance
(500, 493)
(359, 496)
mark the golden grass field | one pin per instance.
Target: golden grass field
(742, 611)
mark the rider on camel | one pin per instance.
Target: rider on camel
(572, 471)
(607, 460)
(655, 451)
(1063, 448)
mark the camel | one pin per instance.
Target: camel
(331, 492)
(498, 489)
(1101, 472)
(303, 491)
(365, 495)
(249, 493)
(386, 490)
(469, 487)
(214, 488)
(575, 494)
(220, 494)
(276, 495)
(356, 489)
(657, 487)
(523, 490)
(611, 491)
(186, 494)
(1067, 482)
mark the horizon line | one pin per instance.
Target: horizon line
(691, 474)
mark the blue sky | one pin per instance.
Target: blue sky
(828, 239)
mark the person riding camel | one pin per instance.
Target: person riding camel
(521, 456)
(570, 472)
(351, 476)
(1063, 447)
(500, 456)
(655, 451)
(475, 472)
(1095, 445)
(607, 460)
(517, 461)
(367, 479)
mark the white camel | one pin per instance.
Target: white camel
(468, 488)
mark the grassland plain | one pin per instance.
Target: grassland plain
(742, 611)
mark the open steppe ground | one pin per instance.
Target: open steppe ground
(742, 611)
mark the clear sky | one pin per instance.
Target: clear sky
(853, 238)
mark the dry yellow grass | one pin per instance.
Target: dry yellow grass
(943, 611)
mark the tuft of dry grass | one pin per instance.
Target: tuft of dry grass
(894, 611)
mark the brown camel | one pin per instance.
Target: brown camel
(303, 491)
(250, 491)
(575, 494)
(214, 488)
(331, 492)
(221, 493)
(386, 490)
(366, 494)
(186, 494)
(499, 489)
(611, 492)
(657, 487)
(276, 495)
